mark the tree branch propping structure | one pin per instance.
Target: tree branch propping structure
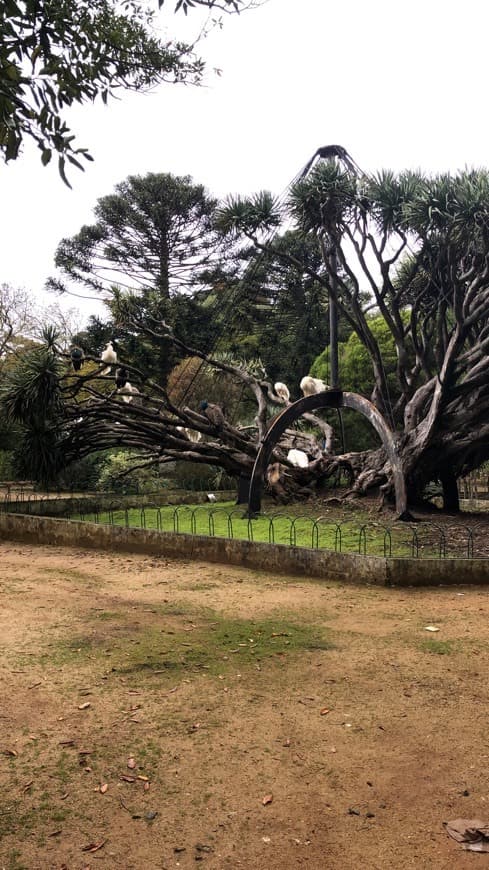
(86, 413)
(414, 250)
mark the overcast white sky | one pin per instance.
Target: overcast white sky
(399, 85)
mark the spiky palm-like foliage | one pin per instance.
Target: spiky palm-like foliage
(31, 395)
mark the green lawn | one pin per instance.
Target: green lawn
(292, 527)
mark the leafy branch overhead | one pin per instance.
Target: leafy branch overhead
(58, 53)
(224, 6)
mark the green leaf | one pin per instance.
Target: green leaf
(61, 169)
(46, 156)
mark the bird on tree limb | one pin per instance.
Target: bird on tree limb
(213, 413)
(311, 386)
(108, 356)
(77, 357)
(128, 392)
(121, 377)
(282, 391)
(298, 458)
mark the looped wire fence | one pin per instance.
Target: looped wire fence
(424, 539)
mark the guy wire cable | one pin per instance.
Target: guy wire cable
(232, 295)
(326, 151)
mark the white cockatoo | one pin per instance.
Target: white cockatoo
(298, 458)
(108, 356)
(191, 434)
(282, 390)
(310, 386)
(128, 391)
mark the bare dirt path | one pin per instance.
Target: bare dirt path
(163, 714)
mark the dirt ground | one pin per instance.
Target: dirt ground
(169, 714)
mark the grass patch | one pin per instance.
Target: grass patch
(168, 648)
(104, 615)
(68, 574)
(222, 645)
(297, 525)
(438, 647)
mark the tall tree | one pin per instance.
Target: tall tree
(153, 235)
(57, 53)
(17, 318)
(418, 246)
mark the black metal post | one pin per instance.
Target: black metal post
(333, 326)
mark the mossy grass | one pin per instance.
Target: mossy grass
(300, 525)
(438, 647)
(174, 645)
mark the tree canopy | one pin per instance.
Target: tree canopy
(406, 259)
(153, 234)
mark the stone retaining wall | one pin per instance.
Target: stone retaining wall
(276, 558)
(61, 506)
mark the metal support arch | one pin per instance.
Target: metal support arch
(328, 399)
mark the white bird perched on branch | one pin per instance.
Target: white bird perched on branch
(298, 458)
(282, 390)
(128, 391)
(311, 386)
(108, 356)
(191, 434)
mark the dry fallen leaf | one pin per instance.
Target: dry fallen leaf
(131, 763)
(84, 706)
(431, 628)
(28, 785)
(324, 711)
(128, 778)
(93, 847)
(267, 799)
(10, 752)
(147, 786)
(144, 778)
(103, 788)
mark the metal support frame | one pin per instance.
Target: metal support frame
(328, 399)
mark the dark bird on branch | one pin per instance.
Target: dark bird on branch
(121, 376)
(328, 152)
(77, 357)
(213, 413)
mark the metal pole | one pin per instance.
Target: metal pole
(333, 327)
